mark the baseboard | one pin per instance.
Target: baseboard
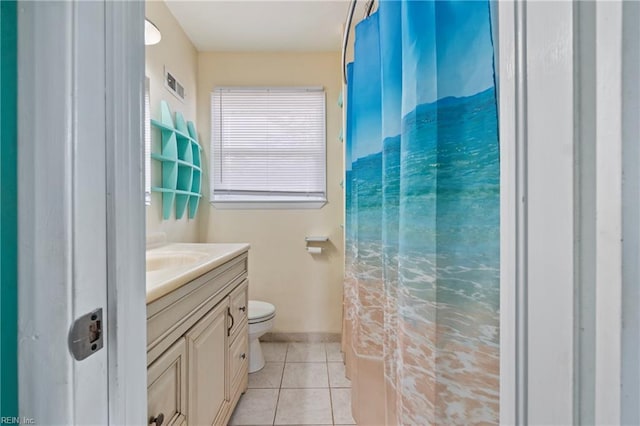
(302, 337)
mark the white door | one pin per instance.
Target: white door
(569, 101)
(79, 170)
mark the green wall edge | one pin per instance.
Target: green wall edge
(8, 211)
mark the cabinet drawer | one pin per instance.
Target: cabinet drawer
(167, 385)
(239, 354)
(239, 307)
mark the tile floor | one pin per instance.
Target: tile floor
(301, 384)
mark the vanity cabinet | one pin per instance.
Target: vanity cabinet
(197, 348)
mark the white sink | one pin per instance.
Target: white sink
(173, 265)
(168, 259)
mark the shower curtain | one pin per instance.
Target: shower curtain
(421, 317)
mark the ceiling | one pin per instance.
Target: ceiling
(263, 25)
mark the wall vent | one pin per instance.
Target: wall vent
(173, 85)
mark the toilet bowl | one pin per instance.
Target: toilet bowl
(261, 316)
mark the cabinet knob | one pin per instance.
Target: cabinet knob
(157, 420)
(242, 308)
(243, 356)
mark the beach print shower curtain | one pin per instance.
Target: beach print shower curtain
(421, 317)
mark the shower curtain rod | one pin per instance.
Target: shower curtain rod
(347, 29)
(345, 39)
(369, 8)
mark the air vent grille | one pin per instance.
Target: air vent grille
(173, 85)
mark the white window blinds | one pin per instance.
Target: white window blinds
(268, 144)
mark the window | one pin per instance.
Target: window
(268, 145)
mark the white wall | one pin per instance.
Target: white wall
(306, 290)
(176, 52)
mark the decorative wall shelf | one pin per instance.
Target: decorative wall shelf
(181, 158)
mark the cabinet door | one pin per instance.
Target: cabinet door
(167, 386)
(207, 352)
(239, 307)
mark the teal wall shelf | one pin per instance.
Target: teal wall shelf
(181, 158)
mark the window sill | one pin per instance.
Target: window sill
(266, 203)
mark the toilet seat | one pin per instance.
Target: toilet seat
(260, 311)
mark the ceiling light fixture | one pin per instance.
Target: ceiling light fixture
(151, 33)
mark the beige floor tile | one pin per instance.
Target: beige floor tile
(305, 375)
(304, 407)
(337, 378)
(256, 407)
(270, 377)
(306, 352)
(274, 352)
(334, 352)
(341, 402)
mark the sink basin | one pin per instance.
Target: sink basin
(172, 265)
(168, 260)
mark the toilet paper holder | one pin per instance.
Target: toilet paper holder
(318, 239)
(315, 239)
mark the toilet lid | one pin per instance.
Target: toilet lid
(260, 310)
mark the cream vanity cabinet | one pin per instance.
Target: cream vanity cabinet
(197, 348)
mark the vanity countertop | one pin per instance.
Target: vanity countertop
(172, 265)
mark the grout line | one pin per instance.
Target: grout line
(314, 387)
(286, 352)
(326, 357)
(275, 413)
(333, 418)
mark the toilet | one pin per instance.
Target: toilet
(261, 317)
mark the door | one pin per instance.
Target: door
(81, 228)
(62, 203)
(207, 349)
(569, 130)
